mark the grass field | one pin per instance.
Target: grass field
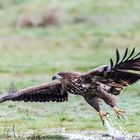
(29, 56)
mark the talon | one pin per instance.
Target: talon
(119, 113)
(102, 116)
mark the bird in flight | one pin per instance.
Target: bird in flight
(103, 82)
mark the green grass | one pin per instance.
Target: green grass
(30, 56)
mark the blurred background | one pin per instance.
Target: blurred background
(41, 37)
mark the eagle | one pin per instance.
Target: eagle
(101, 83)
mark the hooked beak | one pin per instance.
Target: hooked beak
(56, 77)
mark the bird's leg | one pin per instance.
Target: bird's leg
(102, 116)
(103, 94)
(94, 102)
(109, 100)
(119, 112)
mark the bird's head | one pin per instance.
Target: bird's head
(59, 76)
(65, 77)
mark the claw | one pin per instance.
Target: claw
(102, 116)
(119, 113)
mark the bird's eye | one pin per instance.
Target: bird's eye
(61, 74)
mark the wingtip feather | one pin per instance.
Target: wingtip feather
(117, 56)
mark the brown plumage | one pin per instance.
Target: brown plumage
(101, 83)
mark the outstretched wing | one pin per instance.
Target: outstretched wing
(125, 71)
(43, 93)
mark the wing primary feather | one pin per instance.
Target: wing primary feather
(125, 54)
(131, 54)
(117, 56)
(136, 55)
(111, 63)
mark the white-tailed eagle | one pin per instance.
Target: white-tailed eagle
(102, 82)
